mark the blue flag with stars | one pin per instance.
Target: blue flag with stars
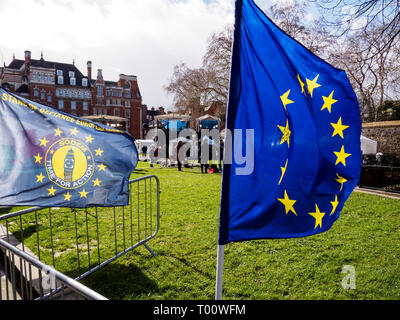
(50, 158)
(307, 127)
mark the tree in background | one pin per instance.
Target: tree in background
(366, 51)
(346, 16)
(195, 89)
(389, 110)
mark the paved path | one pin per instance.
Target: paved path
(385, 194)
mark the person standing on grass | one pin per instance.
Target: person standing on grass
(221, 154)
(178, 156)
(204, 155)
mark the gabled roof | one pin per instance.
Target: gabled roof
(23, 89)
(65, 67)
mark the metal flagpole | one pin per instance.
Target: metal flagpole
(220, 272)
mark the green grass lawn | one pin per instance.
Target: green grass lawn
(366, 236)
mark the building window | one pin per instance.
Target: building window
(108, 102)
(127, 103)
(116, 112)
(49, 99)
(57, 93)
(61, 104)
(99, 91)
(60, 80)
(85, 106)
(127, 114)
(73, 105)
(59, 72)
(127, 95)
(76, 94)
(71, 74)
(72, 81)
(84, 82)
(36, 93)
(108, 93)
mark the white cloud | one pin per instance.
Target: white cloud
(141, 37)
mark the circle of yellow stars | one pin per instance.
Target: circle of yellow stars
(38, 160)
(307, 87)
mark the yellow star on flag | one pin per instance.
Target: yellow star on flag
(339, 128)
(74, 132)
(83, 193)
(311, 85)
(288, 204)
(302, 84)
(67, 197)
(89, 139)
(334, 204)
(40, 178)
(286, 133)
(341, 156)
(341, 180)
(99, 152)
(328, 102)
(58, 132)
(283, 172)
(38, 159)
(285, 99)
(318, 215)
(102, 167)
(43, 142)
(96, 183)
(51, 191)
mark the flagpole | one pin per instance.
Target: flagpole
(220, 272)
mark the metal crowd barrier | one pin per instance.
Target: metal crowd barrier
(78, 242)
(27, 274)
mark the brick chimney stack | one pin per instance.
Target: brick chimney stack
(89, 70)
(99, 74)
(27, 61)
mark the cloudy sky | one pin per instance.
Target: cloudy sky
(145, 38)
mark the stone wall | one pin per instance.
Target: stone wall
(386, 133)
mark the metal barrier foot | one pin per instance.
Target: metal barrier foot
(148, 248)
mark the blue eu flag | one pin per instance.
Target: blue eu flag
(307, 128)
(50, 158)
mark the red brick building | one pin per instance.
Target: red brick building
(64, 87)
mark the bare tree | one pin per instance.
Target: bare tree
(372, 68)
(194, 89)
(347, 15)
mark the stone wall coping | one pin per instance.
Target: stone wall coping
(377, 124)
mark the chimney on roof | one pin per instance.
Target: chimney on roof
(27, 61)
(89, 70)
(99, 74)
(41, 55)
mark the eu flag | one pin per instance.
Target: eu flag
(307, 128)
(50, 158)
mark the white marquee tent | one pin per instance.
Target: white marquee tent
(368, 146)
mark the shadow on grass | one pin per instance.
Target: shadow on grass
(117, 281)
(4, 210)
(187, 264)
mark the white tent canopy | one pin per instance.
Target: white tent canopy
(368, 146)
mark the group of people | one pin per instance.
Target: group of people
(207, 150)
